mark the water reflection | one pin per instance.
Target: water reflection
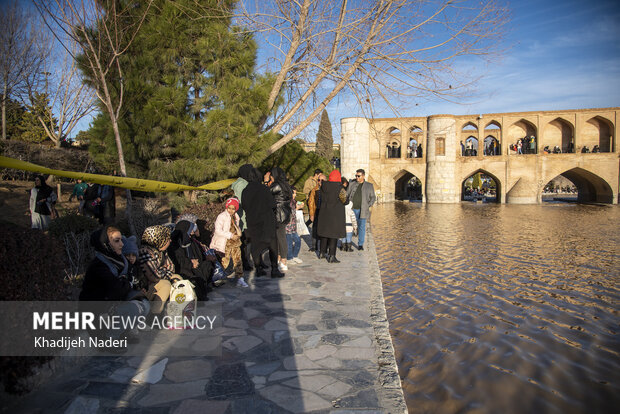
(503, 308)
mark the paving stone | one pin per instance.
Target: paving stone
(312, 341)
(320, 352)
(263, 369)
(274, 325)
(229, 381)
(202, 406)
(236, 323)
(335, 390)
(280, 375)
(356, 323)
(82, 405)
(358, 353)
(242, 343)
(363, 399)
(254, 405)
(123, 375)
(349, 330)
(297, 401)
(152, 374)
(310, 383)
(361, 342)
(112, 391)
(299, 362)
(258, 322)
(306, 327)
(330, 362)
(261, 354)
(335, 339)
(165, 393)
(189, 370)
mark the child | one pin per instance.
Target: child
(227, 239)
(351, 227)
(292, 238)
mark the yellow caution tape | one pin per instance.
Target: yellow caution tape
(138, 184)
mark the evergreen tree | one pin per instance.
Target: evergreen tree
(476, 182)
(324, 140)
(192, 100)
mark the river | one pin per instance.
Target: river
(503, 308)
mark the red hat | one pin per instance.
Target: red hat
(334, 176)
(234, 201)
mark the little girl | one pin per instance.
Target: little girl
(227, 239)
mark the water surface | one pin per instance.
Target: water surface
(503, 308)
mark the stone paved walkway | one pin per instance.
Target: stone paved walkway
(316, 341)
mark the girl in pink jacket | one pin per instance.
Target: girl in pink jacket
(226, 239)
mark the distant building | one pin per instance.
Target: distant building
(311, 146)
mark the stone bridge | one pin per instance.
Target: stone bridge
(453, 148)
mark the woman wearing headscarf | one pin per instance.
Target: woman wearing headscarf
(258, 204)
(156, 265)
(331, 225)
(106, 278)
(282, 195)
(244, 174)
(188, 258)
(42, 200)
(227, 239)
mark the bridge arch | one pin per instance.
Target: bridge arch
(498, 185)
(393, 143)
(590, 186)
(598, 131)
(408, 186)
(560, 133)
(520, 129)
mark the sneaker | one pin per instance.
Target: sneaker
(219, 283)
(297, 260)
(282, 267)
(241, 283)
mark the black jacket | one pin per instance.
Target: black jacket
(258, 204)
(283, 203)
(331, 223)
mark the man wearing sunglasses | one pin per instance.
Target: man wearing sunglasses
(362, 195)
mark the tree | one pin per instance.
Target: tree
(103, 31)
(476, 181)
(70, 99)
(192, 100)
(382, 49)
(21, 54)
(324, 140)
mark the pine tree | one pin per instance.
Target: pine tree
(192, 100)
(476, 182)
(324, 140)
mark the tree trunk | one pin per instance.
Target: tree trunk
(4, 116)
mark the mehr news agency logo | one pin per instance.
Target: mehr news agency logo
(87, 321)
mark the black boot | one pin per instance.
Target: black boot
(343, 246)
(332, 259)
(322, 255)
(276, 273)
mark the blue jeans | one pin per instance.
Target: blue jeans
(361, 228)
(294, 245)
(348, 238)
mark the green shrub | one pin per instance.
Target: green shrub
(72, 223)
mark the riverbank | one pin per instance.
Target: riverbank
(315, 341)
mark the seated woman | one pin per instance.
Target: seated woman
(156, 266)
(189, 259)
(106, 277)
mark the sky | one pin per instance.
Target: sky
(558, 55)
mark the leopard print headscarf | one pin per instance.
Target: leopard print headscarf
(156, 236)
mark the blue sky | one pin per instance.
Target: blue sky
(559, 55)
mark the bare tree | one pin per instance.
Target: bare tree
(103, 31)
(21, 54)
(370, 49)
(70, 99)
